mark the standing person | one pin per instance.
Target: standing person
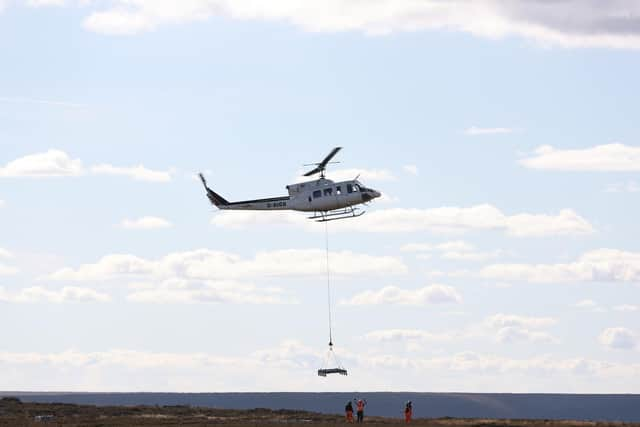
(408, 412)
(348, 410)
(360, 407)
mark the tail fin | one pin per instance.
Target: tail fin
(214, 198)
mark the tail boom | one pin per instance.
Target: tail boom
(273, 203)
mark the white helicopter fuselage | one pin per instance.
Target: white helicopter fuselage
(321, 195)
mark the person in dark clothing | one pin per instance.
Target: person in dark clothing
(360, 407)
(348, 410)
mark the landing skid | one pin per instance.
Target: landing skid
(336, 214)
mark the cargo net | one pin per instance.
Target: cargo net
(331, 364)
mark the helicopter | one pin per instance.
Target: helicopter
(328, 200)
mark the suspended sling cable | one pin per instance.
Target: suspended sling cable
(338, 369)
(326, 241)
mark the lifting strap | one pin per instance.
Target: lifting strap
(326, 240)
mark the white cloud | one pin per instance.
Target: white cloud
(47, 164)
(623, 187)
(66, 294)
(601, 265)
(511, 334)
(472, 256)
(2, 203)
(438, 220)
(54, 163)
(392, 295)
(511, 328)
(501, 320)
(456, 250)
(145, 223)
(290, 366)
(601, 158)
(619, 338)
(396, 335)
(20, 100)
(7, 271)
(411, 169)
(476, 131)
(590, 305)
(138, 172)
(173, 291)
(626, 308)
(43, 3)
(562, 23)
(5, 253)
(204, 264)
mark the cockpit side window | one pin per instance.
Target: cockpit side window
(338, 190)
(317, 194)
(327, 191)
(356, 188)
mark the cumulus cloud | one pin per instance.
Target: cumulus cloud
(138, 172)
(590, 305)
(437, 220)
(392, 295)
(6, 270)
(601, 265)
(288, 365)
(411, 169)
(56, 163)
(205, 264)
(601, 158)
(626, 308)
(456, 250)
(174, 291)
(47, 164)
(623, 187)
(398, 335)
(511, 328)
(566, 23)
(44, 3)
(66, 294)
(619, 339)
(145, 223)
(476, 131)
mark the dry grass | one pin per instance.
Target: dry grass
(16, 414)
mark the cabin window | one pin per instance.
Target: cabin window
(317, 194)
(327, 191)
(338, 190)
(349, 188)
(356, 187)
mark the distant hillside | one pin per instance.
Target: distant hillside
(431, 405)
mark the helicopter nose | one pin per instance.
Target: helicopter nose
(370, 195)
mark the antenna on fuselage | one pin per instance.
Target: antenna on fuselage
(320, 167)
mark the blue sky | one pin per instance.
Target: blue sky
(502, 257)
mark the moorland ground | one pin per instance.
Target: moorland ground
(16, 413)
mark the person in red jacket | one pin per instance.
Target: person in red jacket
(408, 412)
(360, 404)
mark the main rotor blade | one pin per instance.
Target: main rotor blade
(329, 157)
(313, 171)
(320, 167)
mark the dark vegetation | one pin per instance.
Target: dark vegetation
(16, 413)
